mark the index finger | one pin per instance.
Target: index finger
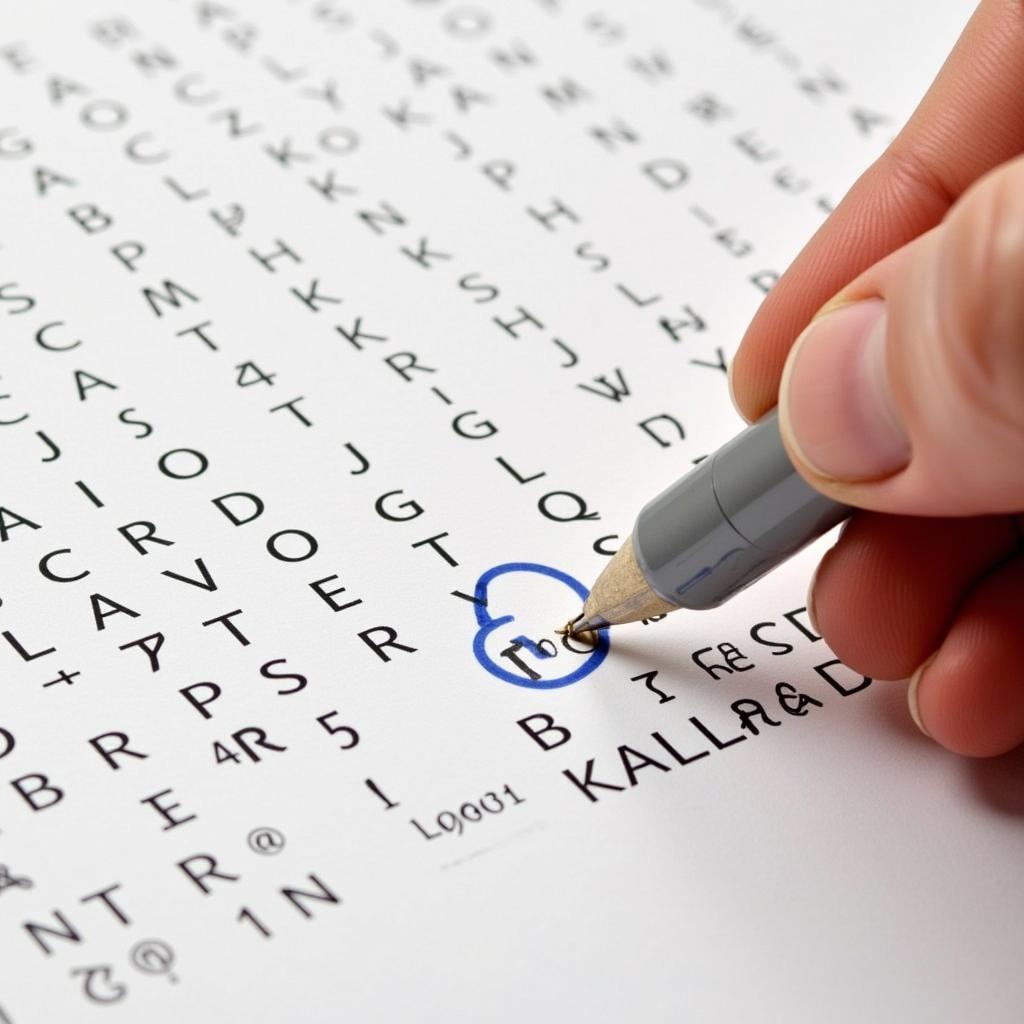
(970, 120)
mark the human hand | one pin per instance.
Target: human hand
(905, 397)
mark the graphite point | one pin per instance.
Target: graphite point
(588, 637)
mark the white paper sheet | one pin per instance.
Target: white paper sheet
(422, 301)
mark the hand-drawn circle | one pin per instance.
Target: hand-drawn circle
(152, 956)
(488, 625)
(265, 841)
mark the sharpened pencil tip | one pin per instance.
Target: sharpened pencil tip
(583, 624)
(569, 628)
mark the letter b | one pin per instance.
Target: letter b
(41, 795)
(91, 219)
(560, 734)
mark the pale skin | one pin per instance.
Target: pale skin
(905, 397)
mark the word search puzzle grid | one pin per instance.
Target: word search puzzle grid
(340, 344)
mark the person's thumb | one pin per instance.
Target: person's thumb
(905, 394)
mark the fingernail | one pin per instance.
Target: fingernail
(835, 404)
(915, 682)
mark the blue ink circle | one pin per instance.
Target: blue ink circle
(488, 624)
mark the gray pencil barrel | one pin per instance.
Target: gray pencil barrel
(730, 520)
